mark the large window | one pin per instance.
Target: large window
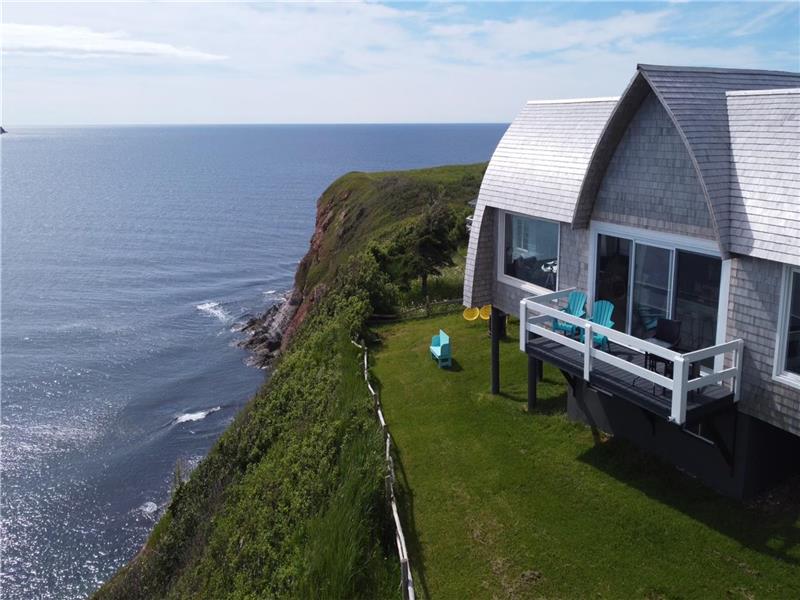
(531, 250)
(788, 356)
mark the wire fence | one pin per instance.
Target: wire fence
(406, 581)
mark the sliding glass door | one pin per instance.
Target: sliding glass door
(647, 283)
(697, 298)
(611, 283)
(651, 288)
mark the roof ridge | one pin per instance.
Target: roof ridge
(576, 100)
(646, 67)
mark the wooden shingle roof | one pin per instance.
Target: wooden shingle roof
(764, 209)
(541, 160)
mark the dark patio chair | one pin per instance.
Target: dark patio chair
(668, 335)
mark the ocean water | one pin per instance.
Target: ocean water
(128, 256)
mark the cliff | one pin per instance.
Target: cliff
(355, 209)
(290, 500)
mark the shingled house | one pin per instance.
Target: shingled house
(679, 204)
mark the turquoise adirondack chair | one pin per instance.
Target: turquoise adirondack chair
(601, 315)
(576, 306)
(440, 349)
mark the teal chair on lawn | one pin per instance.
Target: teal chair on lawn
(576, 306)
(440, 349)
(601, 315)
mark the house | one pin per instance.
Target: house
(678, 203)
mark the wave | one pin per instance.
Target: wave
(214, 309)
(195, 416)
(148, 508)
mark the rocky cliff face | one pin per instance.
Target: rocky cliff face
(271, 332)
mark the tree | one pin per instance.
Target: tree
(422, 249)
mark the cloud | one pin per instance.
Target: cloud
(74, 41)
(497, 40)
(358, 62)
(763, 20)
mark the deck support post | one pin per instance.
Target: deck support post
(495, 326)
(534, 376)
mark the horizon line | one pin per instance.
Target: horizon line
(251, 124)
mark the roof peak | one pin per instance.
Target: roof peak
(646, 67)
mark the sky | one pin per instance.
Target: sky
(357, 62)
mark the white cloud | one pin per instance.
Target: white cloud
(358, 62)
(75, 41)
(763, 20)
(495, 39)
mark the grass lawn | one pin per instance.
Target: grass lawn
(502, 504)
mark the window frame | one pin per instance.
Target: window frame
(779, 372)
(526, 286)
(670, 241)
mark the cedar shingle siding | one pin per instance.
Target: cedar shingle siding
(650, 182)
(479, 265)
(573, 264)
(753, 317)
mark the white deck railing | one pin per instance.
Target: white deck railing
(537, 312)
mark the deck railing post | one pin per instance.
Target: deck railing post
(680, 377)
(523, 325)
(587, 351)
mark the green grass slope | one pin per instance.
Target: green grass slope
(371, 206)
(500, 503)
(290, 501)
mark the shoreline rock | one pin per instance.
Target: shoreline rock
(266, 332)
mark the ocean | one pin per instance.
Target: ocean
(129, 255)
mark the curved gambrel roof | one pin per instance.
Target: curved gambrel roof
(695, 100)
(537, 168)
(541, 160)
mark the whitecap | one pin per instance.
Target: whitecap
(214, 309)
(149, 508)
(195, 416)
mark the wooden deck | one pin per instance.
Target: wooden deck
(612, 380)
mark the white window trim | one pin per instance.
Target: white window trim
(779, 373)
(525, 286)
(669, 241)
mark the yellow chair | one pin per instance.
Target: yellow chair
(470, 314)
(486, 312)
